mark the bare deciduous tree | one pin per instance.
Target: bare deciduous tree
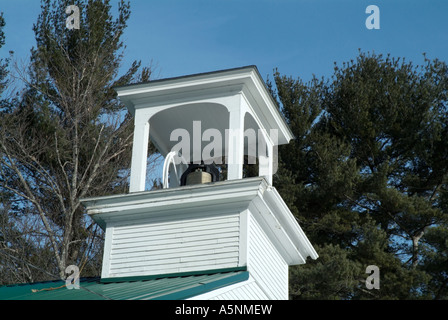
(67, 137)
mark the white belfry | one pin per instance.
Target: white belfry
(235, 224)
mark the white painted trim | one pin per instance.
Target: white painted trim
(275, 232)
(240, 90)
(289, 223)
(106, 252)
(219, 196)
(234, 141)
(244, 231)
(212, 199)
(139, 156)
(139, 95)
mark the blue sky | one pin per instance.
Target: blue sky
(299, 37)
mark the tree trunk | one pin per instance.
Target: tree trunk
(415, 239)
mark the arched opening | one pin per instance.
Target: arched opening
(189, 133)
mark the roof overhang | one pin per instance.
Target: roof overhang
(154, 94)
(251, 193)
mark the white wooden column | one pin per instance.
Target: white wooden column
(265, 167)
(235, 137)
(266, 156)
(139, 153)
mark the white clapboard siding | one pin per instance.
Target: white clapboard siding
(247, 291)
(174, 244)
(266, 265)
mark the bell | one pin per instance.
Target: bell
(199, 174)
(198, 177)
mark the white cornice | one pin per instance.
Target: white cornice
(289, 223)
(201, 86)
(208, 197)
(263, 200)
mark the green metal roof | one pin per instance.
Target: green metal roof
(164, 287)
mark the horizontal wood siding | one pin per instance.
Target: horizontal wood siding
(174, 244)
(248, 291)
(265, 264)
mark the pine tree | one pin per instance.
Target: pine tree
(367, 177)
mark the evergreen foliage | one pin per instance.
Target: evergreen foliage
(367, 177)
